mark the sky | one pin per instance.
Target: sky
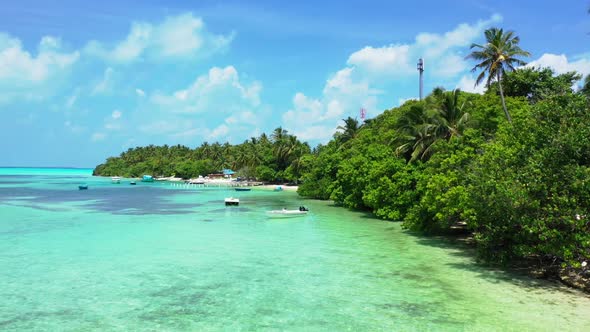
(81, 81)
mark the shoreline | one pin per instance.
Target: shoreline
(222, 182)
(273, 187)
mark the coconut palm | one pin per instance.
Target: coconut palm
(497, 56)
(416, 134)
(349, 130)
(441, 118)
(278, 134)
(453, 118)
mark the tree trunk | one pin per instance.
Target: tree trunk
(503, 101)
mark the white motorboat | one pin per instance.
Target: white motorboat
(284, 213)
(232, 201)
(199, 180)
(116, 179)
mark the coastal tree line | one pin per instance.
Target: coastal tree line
(275, 158)
(510, 166)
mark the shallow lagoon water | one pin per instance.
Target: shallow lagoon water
(157, 257)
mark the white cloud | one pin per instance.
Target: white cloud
(219, 91)
(30, 76)
(220, 132)
(18, 65)
(467, 84)
(116, 114)
(440, 53)
(217, 106)
(344, 94)
(371, 70)
(316, 133)
(177, 36)
(105, 85)
(560, 63)
(98, 137)
(140, 92)
(383, 60)
(247, 117)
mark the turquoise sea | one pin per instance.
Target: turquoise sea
(157, 257)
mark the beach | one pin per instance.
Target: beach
(233, 183)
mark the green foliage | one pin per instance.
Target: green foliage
(259, 157)
(265, 173)
(391, 188)
(320, 171)
(499, 55)
(586, 87)
(442, 117)
(442, 187)
(522, 189)
(536, 84)
(531, 189)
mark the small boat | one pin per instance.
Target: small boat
(147, 178)
(284, 213)
(232, 201)
(116, 179)
(199, 180)
(243, 189)
(278, 188)
(83, 187)
(132, 183)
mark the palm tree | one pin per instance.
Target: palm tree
(416, 134)
(497, 56)
(441, 118)
(454, 120)
(349, 130)
(278, 134)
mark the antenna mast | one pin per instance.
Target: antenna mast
(420, 68)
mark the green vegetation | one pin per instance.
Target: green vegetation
(279, 158)
(519, 181)
(453, 162)
(498, 56)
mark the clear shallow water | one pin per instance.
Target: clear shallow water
(156, 257)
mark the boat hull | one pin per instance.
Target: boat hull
(286, 213)
(232, 201)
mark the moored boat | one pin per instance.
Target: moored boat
(83, 187)
(147, 178)
(243, 189)
(229, 201)
(284, 213)
(116, 179)
(199, 180)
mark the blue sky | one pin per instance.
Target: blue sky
(81, 81)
